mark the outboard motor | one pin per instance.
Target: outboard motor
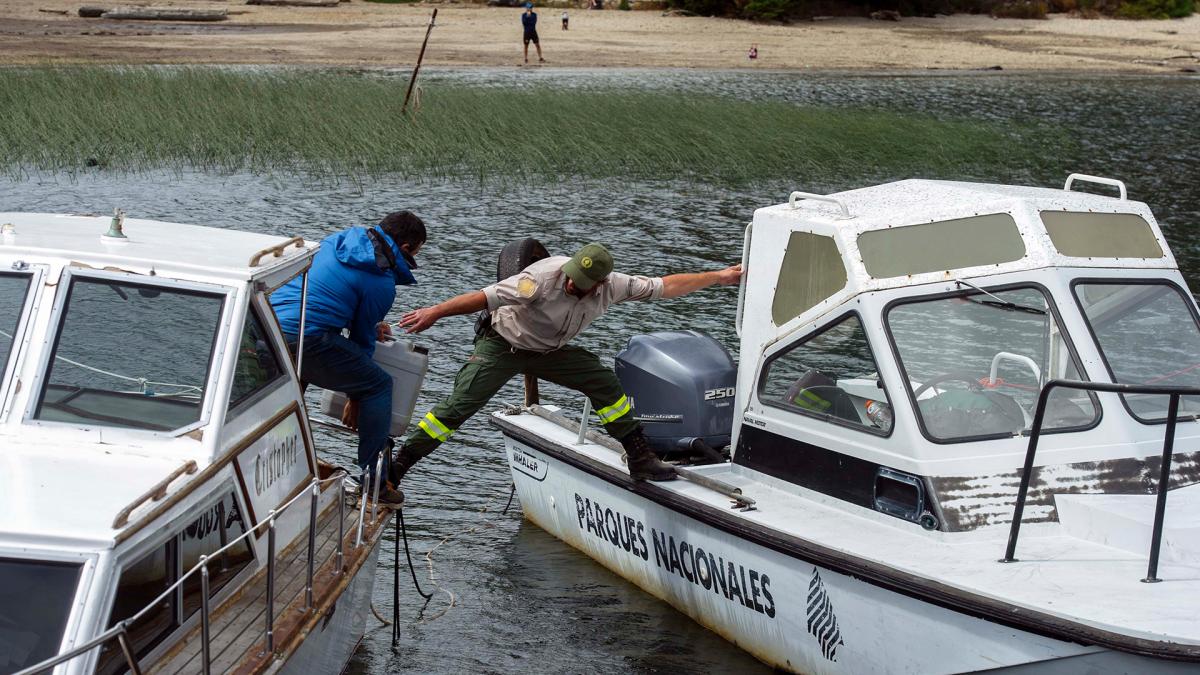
(682, 385)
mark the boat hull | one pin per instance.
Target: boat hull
(331, 642)
(788, 612)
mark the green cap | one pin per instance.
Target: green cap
(589, 266)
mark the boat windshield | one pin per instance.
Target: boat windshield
(1147, 335)
(130, 355)
(13, 289)
(35, 602)
(976, 362)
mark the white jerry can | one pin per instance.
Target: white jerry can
(406, 364)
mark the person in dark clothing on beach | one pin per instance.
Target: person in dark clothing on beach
(529, 22)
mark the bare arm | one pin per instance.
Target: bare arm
(676, 285)
(420, 319)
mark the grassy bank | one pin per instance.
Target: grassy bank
(340, 126)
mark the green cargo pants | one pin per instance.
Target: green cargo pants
(494, 362)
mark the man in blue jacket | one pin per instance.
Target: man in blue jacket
(351, 286)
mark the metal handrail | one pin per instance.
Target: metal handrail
(1164, 475)
(1084, 178)
(119, 630)
(277, 250)
(820, 198)
(153, 494)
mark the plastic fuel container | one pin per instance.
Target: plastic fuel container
(406, 364)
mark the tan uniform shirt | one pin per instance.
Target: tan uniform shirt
(532, 310)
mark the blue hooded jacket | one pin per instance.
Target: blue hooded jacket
(346, 288)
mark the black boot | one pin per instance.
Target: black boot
(401, 463)
(643, 463)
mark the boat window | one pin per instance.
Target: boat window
(258, 365)
(831, 374)
(934, 247)
(35, 603)
(812, 271)
(1101, 235)
(1147, 335)
(130, 355)
(140, 583)
(151, 575)
(13, 289)
(976, 362)
(210, 532)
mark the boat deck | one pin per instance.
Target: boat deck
(238, 627)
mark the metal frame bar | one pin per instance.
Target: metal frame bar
(205, 656)
(1035, 435)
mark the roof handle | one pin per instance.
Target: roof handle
(277, 250)
(820, 198)
(1083, 177)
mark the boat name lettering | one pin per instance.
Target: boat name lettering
(620, 531)
(275, 462)
(713, 572)
(528, 461)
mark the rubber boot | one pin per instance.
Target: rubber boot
(402, 462)
(643, 463)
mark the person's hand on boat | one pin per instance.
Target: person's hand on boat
(730, 275)
(419, 319)
(350, 414)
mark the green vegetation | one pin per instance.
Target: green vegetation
(348, 125)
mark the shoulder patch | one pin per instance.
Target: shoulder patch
(526, 287)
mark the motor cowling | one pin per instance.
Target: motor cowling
(682, 384)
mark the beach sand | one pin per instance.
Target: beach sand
(364, 34)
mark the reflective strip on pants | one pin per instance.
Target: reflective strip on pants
(615, 411)
(435, 428)
(811, 401)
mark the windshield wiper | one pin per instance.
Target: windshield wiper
(998, 302)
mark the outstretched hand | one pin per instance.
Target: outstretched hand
(730, 275)
(419, 319)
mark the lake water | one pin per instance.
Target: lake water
(523, 601)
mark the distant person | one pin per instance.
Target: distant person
(529, 22)
(753, 53)
(565, 18)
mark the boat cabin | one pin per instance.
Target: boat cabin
(149, 415)
(902, 334)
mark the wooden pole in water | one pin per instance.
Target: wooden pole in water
(420, 57)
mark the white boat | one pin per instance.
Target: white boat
(920, 361)
(163, 507)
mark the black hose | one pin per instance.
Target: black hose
(396, 585)
(404, 534)
(510, 498)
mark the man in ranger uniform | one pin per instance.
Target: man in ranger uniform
(534, 315)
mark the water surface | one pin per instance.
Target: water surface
(523, 600)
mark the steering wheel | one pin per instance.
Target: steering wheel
(970, 379)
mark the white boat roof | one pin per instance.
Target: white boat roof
(67, 495)
(846, 216)
(172, 248)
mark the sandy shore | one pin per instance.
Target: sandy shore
(367, 34)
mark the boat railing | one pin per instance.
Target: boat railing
(120, 632)
(1164, 478)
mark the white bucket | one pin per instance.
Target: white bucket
(407, 365)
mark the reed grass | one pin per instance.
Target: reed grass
(347, 125)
